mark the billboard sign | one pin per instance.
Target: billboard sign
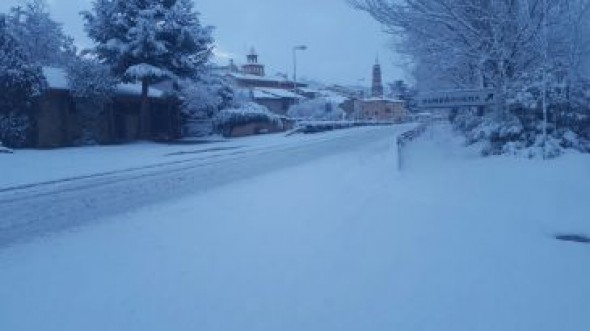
(457, 98)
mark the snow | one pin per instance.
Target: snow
(281, 93)
(270, 93)
(258, 94)
(57, 79)
(144, 70)
(277, 79)
(336, 99)
(384, 99)
(135, 90)
(29, 167)
(342, 242)
(249, 112)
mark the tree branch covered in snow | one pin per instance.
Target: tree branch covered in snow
(42, 38)
(21, 82)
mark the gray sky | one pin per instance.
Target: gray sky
(343, 43)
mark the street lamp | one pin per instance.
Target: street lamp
(295, 49)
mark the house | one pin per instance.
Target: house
(57, 119)
(276, 93)
(276, 100)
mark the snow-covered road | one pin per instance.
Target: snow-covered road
(340, 242)
(119, 182)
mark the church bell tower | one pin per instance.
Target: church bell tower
(253, 67)
(377, 87)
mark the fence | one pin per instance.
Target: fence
(404, 139)
(304, 126)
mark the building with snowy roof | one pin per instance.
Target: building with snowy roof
(277, 92)
(57, 119)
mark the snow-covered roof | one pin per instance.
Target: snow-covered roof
(258, 94)
(281, 93)
(309, 90)
(57, 79)
(258, 78)
(268, 93)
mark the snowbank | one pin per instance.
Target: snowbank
(5, 150)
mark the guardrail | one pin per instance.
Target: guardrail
(405, 138)
(322, 126)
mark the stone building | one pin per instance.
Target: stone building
(379, 108)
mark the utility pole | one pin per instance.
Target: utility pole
(295, 49)
(545, 78)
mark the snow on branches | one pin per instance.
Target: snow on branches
(149, 39)
(42, 38)
(20, 82)
(532, 52)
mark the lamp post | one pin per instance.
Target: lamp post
(295, 49)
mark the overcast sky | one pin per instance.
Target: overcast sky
(343, 43)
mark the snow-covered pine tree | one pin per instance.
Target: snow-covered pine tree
(92, 87)
(20, 82)
(148, 41)
(42, 38)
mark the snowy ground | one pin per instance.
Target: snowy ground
(27, 167)
(341, 242)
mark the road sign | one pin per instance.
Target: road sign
(457, 98)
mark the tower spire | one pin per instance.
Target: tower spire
(377, 86)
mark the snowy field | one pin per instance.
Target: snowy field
(340, 242)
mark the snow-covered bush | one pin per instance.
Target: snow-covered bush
(15, 129)
(5, 150)
(317, 109)
(92, 87)
(247, 113)
(204, 97)
(201, 99)
(518, 135)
